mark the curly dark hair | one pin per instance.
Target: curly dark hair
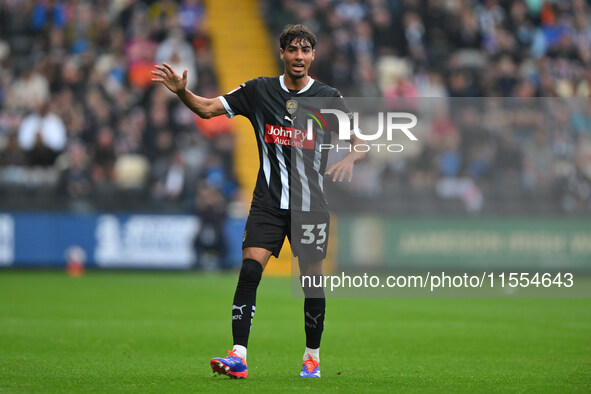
(299, 33)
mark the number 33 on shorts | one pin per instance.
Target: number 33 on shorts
(315, 234)
(310, 233)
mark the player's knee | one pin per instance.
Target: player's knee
(251, 272)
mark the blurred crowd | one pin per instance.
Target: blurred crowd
(451, 49)
(455, 48)
(491, 154)
(81, 120)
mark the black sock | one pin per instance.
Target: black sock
(245, 300)
(314, 310)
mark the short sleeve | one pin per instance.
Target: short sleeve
(239, 101)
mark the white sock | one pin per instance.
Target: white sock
(240, 351)
(314, 353)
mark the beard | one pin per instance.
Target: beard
(296, 76)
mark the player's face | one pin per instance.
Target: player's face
(297, 56)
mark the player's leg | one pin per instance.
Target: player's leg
(254, 261)
(263, 237)
(314, 312)
(309, 239)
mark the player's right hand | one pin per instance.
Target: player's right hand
(166, 75)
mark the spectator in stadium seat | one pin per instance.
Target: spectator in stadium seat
(178, 52)
(140, 51)
(29, 91)
(538, 158)
(210, 242)
(42, 135)
(508, 162)
(103, 157)
(581, 117)
(191, 16)
(169, 178)
(450, 159)
(76, 180)
(11, 153)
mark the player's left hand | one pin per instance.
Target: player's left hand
(341, 169)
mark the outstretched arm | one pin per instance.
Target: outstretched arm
(204, 107)
(345, 166)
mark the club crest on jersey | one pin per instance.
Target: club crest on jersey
(291, 106)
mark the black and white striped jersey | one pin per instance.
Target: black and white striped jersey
(292, 164)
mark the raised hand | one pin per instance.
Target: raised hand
(343, 169)
(166, 75)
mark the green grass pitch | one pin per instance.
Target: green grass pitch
(156, 332)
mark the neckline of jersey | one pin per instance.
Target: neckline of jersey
(282, 83)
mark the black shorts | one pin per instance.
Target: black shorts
(267, 227)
